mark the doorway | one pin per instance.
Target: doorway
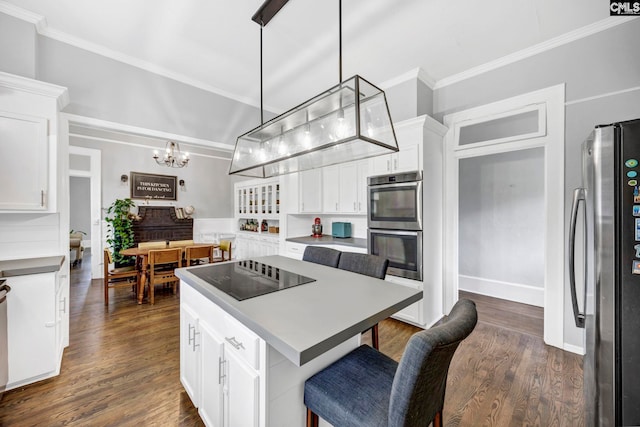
(504, 203)
(84, 164)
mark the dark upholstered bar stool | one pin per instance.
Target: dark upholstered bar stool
(322, 255)
(368, 388)
(369, 265)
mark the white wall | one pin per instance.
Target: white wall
(501, 225)
(601, 73)
(80, 205)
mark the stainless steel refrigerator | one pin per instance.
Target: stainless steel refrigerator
(607, 304)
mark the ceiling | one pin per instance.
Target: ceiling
(213, 44)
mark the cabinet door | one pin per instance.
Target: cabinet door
(189, 354)
(62, 312)
(349, 187)
(363, 191)
(407, 159)
(381, 165)
(31, 327)
(24, 183)
(241, 393)
(310, 191)
(331, 184)
(211, 358)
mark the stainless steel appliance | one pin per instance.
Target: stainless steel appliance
(395, 201)
(403, 249)
(4, 356)
(610, 312)
(395, 222)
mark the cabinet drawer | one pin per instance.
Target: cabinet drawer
(240, 340)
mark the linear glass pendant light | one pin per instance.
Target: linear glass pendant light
(347, 122)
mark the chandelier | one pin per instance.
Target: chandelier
(172, 156)
(349, 121)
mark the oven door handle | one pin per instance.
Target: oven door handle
(395, 232)
(395, 185)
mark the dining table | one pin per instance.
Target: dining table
(142, 256)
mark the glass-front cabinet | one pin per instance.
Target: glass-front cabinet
(258, 199)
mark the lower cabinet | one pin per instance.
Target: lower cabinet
(37, 325)
(219, 364)
(255, 245)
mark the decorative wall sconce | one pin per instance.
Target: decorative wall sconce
(181, 183)
(124, 178)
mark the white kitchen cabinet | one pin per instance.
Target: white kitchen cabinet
(344, 188)
(414, 313)
(62, 313)
(241, 391)
(25, 184)
(220, 364)
(211, 399)
(189, 354)
(405, 160)
(250, 245)
(331, 188)
(310, 191)
(29, 144)
(32, 329)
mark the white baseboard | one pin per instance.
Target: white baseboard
(573, 349)
(526, 294)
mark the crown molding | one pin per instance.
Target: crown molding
(37, 87)
(563, 39)
(417, 73)
(92, 122)
(43, 29)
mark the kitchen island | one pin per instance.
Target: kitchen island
(245, 362)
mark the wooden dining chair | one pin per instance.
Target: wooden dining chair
(180, 243)
(369, 265)
(153, 245)
(224, 246)
(162, 265)
(198, 254)
(117, 277)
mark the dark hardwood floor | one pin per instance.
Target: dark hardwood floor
(122, 368)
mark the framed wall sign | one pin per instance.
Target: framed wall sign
(150, 186)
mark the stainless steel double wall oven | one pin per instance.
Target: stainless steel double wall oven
(395, 222)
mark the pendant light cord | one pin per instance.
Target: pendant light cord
(340, 39)
(261, 94)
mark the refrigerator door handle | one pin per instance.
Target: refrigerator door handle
(578, 197)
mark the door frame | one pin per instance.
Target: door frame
(551, 137)
(95, 176)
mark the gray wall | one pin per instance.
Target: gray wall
(601, 64)
(17, 46)
(502, 217)
(208, 188)
(80, 205)
(409, 99)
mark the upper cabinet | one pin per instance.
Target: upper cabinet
(407, 159)
(258, 199)
(310, 191)
(29, 144)
(344, 188)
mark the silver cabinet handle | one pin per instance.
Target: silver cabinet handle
(64, 305)
(192, 339)
(336, 207)
(42, 198)
(237, 345)
(221, 374)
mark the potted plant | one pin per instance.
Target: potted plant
(120, 229)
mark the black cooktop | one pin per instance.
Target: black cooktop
(248, 278)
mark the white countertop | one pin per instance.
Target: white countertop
(305, 321)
